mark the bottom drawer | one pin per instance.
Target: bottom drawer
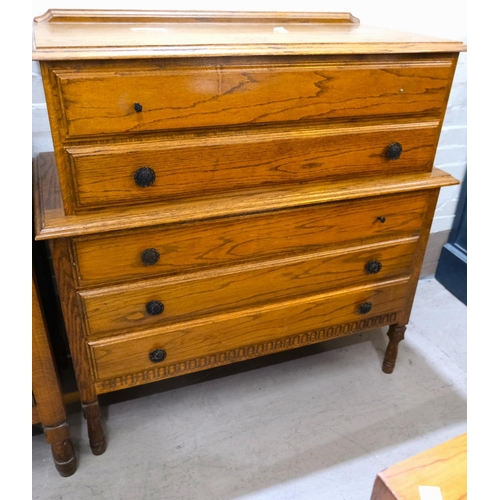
(134, 359)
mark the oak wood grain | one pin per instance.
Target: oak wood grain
(119, 308)
(65, 277)
(187, 167)
(49, 409)
(46, 385)
(98, 98)
(183, 247)
(198, 16)
(124, 354)
(320, 333)
(267, 133)
(443, 466)
(63, 35)
(52, 222)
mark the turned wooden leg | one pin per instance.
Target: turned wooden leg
(63, 268)
(92, 414)
(62, 448)
(49, 409)
(396, 334)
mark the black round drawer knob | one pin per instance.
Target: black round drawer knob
(137, 107)
(150, 256)
(365, 308)
(373, 267)
(394, 151)
(144, 176)
(154, 307)
(157, 355)
(381, 219)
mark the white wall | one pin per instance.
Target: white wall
(428, 17)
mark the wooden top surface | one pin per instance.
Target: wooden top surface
(94, 34)
(51, 221)
(444, 466)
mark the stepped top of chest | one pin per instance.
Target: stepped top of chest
(102, 34)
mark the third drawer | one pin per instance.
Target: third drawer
(184, 247)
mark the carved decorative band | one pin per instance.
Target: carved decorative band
(245, 352)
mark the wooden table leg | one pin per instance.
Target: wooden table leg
(50, 411)
(396, 334)
(63, 269)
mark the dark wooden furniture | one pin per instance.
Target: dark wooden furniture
(451, 271)
(443, 466)
(48, 407)
(228, 185)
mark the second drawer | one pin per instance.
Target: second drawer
(156, 302)
(135, 173)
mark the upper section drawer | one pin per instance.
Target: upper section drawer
(103, 98)
(213, 243)
(148, 171)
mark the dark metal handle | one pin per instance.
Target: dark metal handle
(381, 219)
(394, 151)
(154, 307)
(157, 355)
(150, 256)
(373, 267)
(137, 107)
(365, 308)
(144, 176)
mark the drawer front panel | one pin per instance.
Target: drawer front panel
(147, 305)
(179, 248)
(107, 175)
(225, 333)
(114, 98)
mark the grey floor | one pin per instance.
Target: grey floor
(316, 423)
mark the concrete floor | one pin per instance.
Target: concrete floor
(316, 423)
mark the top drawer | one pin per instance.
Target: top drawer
(130, 97)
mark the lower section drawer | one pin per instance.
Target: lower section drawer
(179, 248)
(214, 340)
(153, 303)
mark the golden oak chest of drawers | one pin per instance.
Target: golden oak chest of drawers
(228, 185)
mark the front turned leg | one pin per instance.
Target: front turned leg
(97, 440)
(62, 448)
(396, 333)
